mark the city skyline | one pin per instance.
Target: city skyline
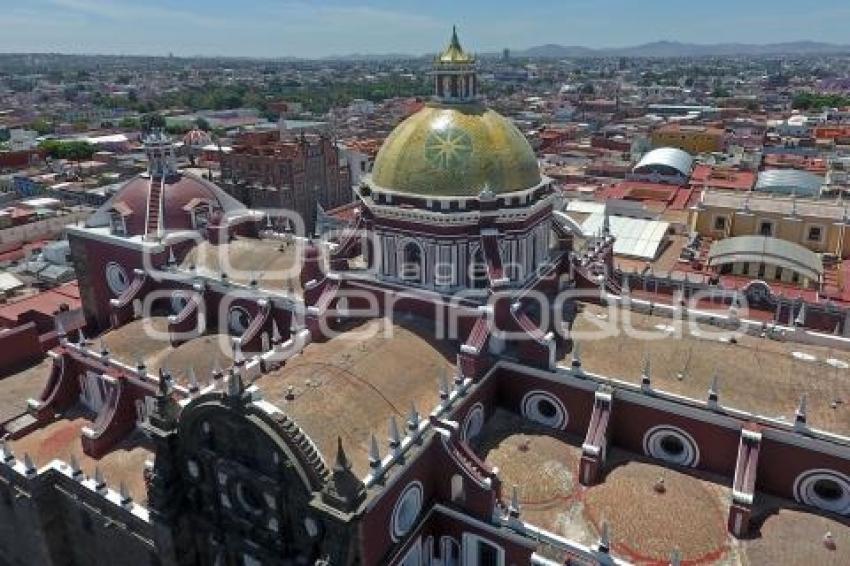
(262, 28)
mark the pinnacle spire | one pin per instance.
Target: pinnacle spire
(342, 462)
(413, 417)
(374, 452)
(394, 435)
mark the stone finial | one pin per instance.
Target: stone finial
(29, 465)
(81, 339)
(6, 452)
(165, 388)
(576, 357)
(413, 417)
(645, 374)
(76, 471)
(194, 387)
(374, 453)
(124, 492)
(604, 544)
(238, 357)
(234, 384)
(277, 338)
(444, 387)
(800, 413)
(458, 378)
(141, 368)
(394, 436)
(171, 259)
(624, 286)
(60, 331)
(99, 481)
(514, 508)
(713, 395)
(676, 558)
(216, 374)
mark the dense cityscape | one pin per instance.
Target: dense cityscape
(542, 306)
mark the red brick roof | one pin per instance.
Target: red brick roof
(46, 302)
(724, 178)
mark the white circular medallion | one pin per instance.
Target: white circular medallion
(473, 422)
(406, 510)
(825, 489)
(544, 408)
(116, 278)
(672, 445)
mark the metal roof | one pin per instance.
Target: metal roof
(671, 157)
(633, 237)
(762, 249)
(789, 181)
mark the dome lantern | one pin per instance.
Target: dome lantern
(160, 152)
(455, 79)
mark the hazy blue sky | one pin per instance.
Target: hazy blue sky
(275, 28)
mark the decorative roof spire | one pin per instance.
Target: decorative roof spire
(454, 53)
(394, 435)
(29, 465)
(576, 362)
(345, 491)
(374, 452)
(800, 414)
(454, 71)
(604, 544)
(342, 463)
(645, 374)
(713, 395)
(514, 509)
(6, 453)
(444, 387)
(413, 417)
(193, 381)
(76, 471)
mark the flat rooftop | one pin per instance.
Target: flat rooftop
(17, 388)
(125, 462)
(148, 339)
(759, 375)
(275, 265)
(689, 516)
(352, 384)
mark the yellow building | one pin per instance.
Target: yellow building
(693, 139)
(818, 225)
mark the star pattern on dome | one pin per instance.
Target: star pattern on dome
(448, 149)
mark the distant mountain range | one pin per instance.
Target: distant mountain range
(654, 49)
(678, 49)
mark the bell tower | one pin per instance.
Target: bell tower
(455, 78)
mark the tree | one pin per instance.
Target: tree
(203, 124)
(129, 123)
(42, 127)
(72, 150)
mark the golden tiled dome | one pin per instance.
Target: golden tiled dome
(456, 150)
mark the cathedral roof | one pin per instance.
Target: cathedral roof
(181, 192)
(456, 150)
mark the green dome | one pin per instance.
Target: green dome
(455, 150)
